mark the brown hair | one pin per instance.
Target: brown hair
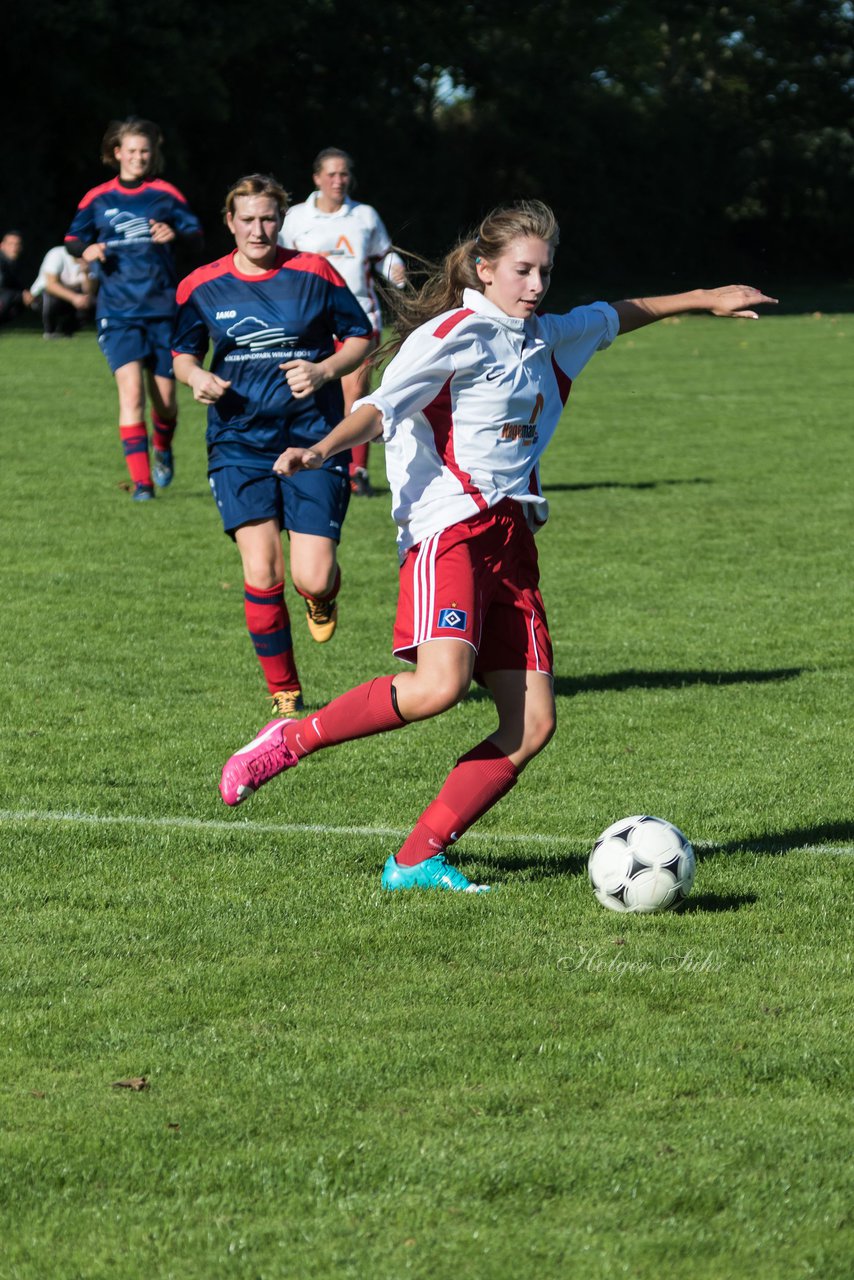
(256, 184)
(444, 286)
(331, 153)
(118, 130)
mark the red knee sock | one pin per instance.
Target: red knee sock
(368, 709)
(477, 781)
(270, 631)
(134, 438)
(163, 429)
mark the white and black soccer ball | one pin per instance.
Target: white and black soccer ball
(641, 864)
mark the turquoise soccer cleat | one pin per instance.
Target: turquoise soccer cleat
(163, 467)
(433, 873)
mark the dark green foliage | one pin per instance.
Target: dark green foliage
(671, 138)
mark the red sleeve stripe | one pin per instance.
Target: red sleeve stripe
(452, 321)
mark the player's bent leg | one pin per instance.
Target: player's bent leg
(316, 576)
(132, 429)
(526, 713)
(164, 420)
(260, 545)
(442, 676)
(374, 707)
(267, 619)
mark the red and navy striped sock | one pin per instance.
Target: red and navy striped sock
(270, 631)
(477, 781)
(134, 438)
(163, 430)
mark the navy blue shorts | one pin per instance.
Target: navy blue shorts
(309, 502)
(123, 341)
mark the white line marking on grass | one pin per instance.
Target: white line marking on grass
(316, 828)
(245, 828)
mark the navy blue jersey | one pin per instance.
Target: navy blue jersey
(294, 311)
(137, 279)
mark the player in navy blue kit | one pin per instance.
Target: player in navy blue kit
(273, 316)
(129, 226)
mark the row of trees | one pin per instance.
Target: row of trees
(672, 138)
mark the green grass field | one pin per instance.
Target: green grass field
(521, 1085)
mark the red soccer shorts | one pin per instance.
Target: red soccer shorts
(477, 581)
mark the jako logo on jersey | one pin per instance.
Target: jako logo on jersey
(226, 315)
(452, 619)
(526, 432)
(256, 334)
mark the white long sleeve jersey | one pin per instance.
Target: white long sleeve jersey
(354, 240)
(470, 403)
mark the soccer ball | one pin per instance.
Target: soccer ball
(641, 864)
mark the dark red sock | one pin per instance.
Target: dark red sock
(330, 595)
(134, 438)
(368, 709)
(477, 781)
(163, 429)
(270, 632)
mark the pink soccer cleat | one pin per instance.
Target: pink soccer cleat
(256, 763)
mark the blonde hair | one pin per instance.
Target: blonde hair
(443, 289)
(118, 130)
(256, 184)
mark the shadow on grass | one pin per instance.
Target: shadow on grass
(621, 484)
(781, 842)
(541, 866)
(618, 681)
(709, 902)
(532, 867)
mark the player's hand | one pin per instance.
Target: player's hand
(207, 388)
(303, 377)
(294, 460)
(737, 301)
(161, 232)
(95, 253)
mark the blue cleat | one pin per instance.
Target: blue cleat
(142, 492)
(433, 873)
(163, 467)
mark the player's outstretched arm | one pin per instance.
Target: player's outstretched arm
(363, 424)
(734, 300)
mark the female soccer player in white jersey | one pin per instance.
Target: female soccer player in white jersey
(466, 408)
(129, 227)
(352, 236)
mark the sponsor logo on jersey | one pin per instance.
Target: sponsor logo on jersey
(343, 249)
(226, 315)
(257, 335)
(452, 619)
(524, 432)
(128, 226)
